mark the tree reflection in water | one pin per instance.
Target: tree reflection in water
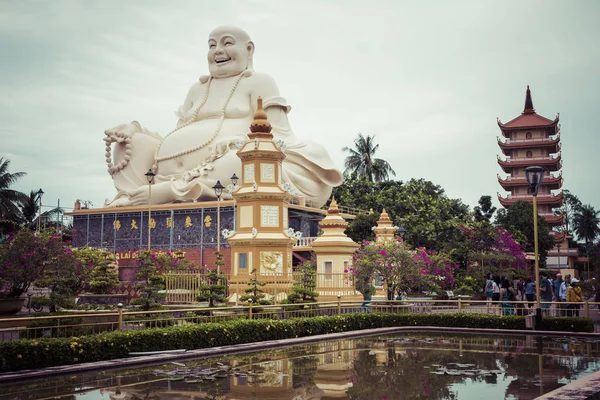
(402, 366)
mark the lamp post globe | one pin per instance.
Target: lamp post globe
(234, 179)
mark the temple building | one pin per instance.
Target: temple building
(533, 140)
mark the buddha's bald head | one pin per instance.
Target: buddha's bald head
(230, 51)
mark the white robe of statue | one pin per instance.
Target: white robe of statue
(213, 122)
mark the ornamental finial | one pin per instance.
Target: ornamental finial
(333, 208)
(260, 127)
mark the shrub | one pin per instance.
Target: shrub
(41, 353)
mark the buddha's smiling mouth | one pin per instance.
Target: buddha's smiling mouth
(222, 60)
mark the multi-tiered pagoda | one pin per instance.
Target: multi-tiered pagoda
(529, 140)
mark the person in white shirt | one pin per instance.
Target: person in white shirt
(563, 294)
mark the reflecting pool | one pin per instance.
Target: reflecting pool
(399, 366)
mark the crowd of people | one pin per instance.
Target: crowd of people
(558, 297)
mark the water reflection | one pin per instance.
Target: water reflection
(414, 366)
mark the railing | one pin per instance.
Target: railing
(532, 140)
(540, 196)
(184, 287)
(80, 324)
(539, 158)
(305, 241)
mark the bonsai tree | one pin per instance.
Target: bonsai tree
(214, 286)
(305, 283)
(104, 276)
(151, 283)
(254, 293)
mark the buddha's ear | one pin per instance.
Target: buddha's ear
(250, 48)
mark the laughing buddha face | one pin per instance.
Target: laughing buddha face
(230, 52)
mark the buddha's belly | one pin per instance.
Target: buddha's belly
(194, 143)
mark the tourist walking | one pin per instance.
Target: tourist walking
(530, 292)
(520, 297)
(489, 291)
(496, 292)
(574, 297)
(563, 294)
(556, 289)
(546, 294)
(508, 297)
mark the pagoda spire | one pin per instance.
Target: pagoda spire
(528, 103)
(260, 127)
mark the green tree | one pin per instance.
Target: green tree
(104, 276)
(151, 281)
(360, 228)
(571, 205)
(362, 160)
(518, 219)
(484, 211)
(586, 223)
(357, 192)
(430, 218)
(305, 283)
(213, 288)
(30, 212)
(10, 200)
(254, 293)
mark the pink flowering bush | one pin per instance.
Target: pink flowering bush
(27, 257)
(400, 267)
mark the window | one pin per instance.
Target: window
(243, 260)
(328, 270)
(529, 154)
(528, 135)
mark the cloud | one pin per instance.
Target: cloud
(428, 79)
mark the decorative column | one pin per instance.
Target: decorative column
(384, 230)
(333, 250)
(263, 240)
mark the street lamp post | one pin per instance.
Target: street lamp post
(534, 176)
(40, 193)
(218, 192)
(150, 176)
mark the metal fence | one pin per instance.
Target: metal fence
(79, 324)
(184, 287)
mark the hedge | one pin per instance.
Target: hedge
(42, 353)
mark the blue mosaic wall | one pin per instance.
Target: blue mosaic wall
(172, 229)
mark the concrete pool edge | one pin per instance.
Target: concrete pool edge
(257, 346)
(586, 388)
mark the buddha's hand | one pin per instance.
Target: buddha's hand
(121, 133)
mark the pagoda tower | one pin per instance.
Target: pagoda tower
(529, 140)
(263, 241)
(333, 250)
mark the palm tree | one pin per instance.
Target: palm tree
(10, 200)
(586, 222)
(30, 211)
(362, 160)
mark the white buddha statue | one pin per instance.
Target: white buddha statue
(213, 122)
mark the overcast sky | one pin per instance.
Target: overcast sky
(427, 78)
